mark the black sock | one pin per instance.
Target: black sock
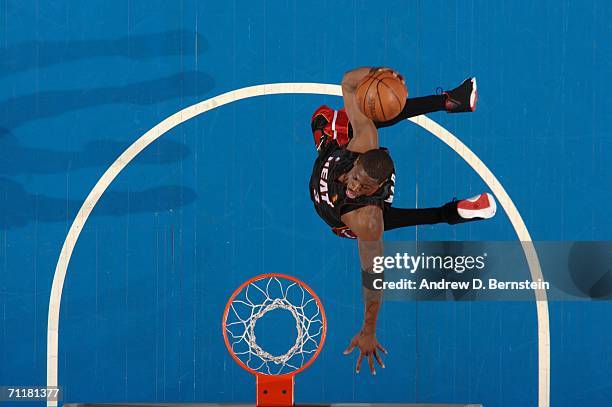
(415, 107)
(403, 217)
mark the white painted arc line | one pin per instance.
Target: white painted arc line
(523, 235)
(290, 88)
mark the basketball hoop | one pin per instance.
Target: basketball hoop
(248, 304)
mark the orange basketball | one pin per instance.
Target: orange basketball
(381, 95)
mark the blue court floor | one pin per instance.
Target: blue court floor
(223, 196)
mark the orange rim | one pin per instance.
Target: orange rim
(286, 277)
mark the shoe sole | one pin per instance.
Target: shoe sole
(473, 95)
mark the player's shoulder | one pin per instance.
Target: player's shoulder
(338, 156)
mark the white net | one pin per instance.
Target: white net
(256, 300)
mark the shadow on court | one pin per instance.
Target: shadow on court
(35, 106)
(18, 207)
(41, 54)
(16, 158)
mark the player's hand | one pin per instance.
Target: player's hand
(393, 71)
(369, 347)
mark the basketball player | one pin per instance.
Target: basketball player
(352, 185)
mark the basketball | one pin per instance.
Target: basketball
(382, 95)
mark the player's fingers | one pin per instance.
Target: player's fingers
(378, 359)
(399, 76)
(383, 69)
(371, 363)
(350, 348)
(383, 350)
(358, 367)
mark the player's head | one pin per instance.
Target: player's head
(369, 173)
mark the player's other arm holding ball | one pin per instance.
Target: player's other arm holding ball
(365, 135)
(367, 222)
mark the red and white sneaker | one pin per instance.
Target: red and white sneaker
(481, 206)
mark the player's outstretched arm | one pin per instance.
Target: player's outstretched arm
(365, 135)
(368, 224)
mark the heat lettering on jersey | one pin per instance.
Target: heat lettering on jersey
(323, 184)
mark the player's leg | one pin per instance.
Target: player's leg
(480, 207)
(461, 99)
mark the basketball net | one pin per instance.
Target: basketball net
(252, 301)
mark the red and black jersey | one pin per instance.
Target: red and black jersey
(326, 192)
